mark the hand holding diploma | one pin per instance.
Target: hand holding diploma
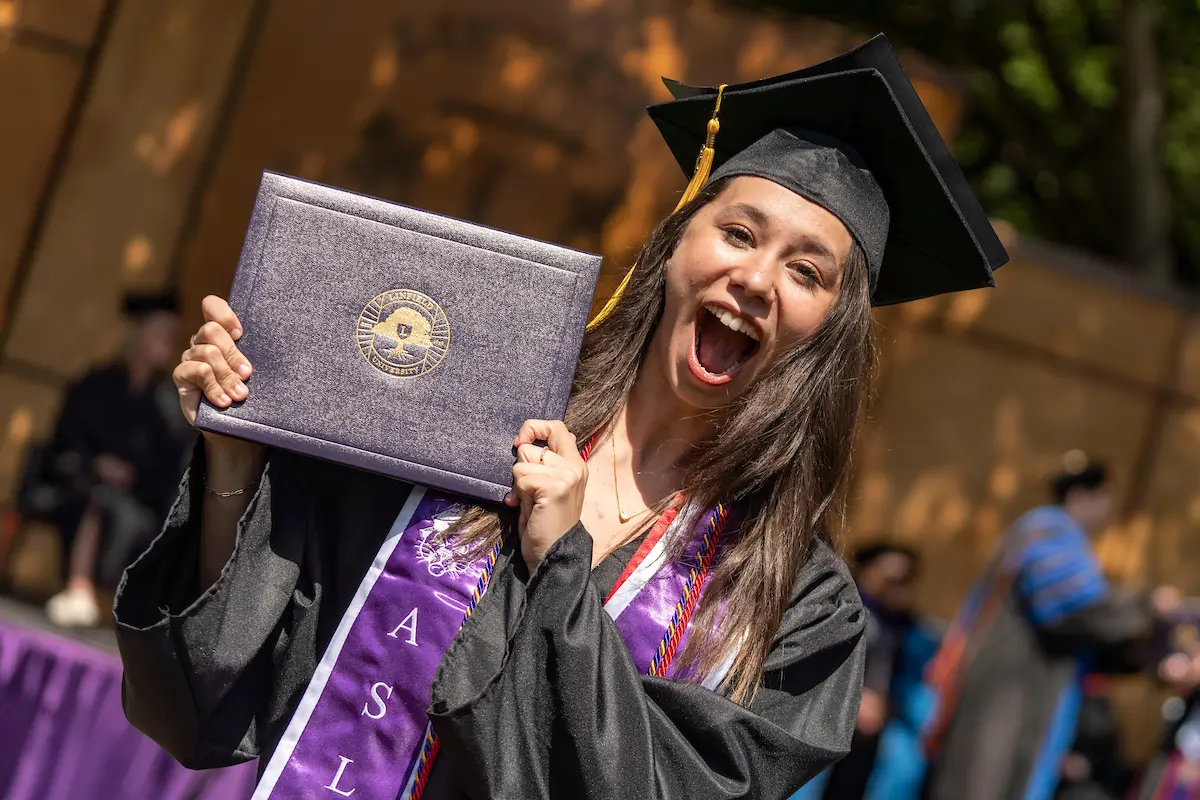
(214, 368)
(548, 484)
(548, 481)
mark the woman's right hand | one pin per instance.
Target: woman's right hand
(214, 368)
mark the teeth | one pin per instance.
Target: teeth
(733, 321)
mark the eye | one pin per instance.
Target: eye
(806, 273)
(738, 235)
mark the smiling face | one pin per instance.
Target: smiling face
(754, 274)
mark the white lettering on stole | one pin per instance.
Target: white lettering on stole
(333, 784)
(409, 624)
(378, 700)
(450, 601)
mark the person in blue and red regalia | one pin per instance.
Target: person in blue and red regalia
(1009, 675)
(657, 611)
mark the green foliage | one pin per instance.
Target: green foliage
(1043, 138)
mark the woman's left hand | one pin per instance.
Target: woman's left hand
(548, 485)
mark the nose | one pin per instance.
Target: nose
(755, 274)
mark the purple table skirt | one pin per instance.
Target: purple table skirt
(63, 734)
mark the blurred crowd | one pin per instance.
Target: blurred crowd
(1010, 699)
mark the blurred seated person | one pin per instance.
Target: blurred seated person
(885, 759)
(1009, 672)
(115, 460)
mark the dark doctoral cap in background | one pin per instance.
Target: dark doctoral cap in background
(851, 135)
(139, 305)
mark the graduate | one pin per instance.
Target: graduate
(111, 468)
(657, 610)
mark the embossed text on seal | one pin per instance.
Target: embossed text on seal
(403, 333)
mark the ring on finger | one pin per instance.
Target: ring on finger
(542, 457)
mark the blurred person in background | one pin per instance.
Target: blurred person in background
(885, 759)
(1094, 769)
(110, 471)
(1174, 771)
(1009, 673)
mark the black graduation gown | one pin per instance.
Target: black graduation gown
(102, 415)
(537, 698)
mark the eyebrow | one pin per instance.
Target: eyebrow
(817, 247)
(753, 212)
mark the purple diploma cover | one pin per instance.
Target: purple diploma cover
(399, 341)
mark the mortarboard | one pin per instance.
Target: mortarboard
(851, 135)
(137, 305)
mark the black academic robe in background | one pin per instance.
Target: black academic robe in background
(102, 415)
(537, 698)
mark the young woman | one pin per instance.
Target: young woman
(664, 615)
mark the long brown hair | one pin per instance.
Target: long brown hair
(780, 450)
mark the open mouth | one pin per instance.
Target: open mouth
(724, 344)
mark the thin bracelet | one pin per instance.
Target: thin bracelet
(234, 493)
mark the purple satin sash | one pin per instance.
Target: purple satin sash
(361, 725)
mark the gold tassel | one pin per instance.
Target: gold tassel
(703, 169)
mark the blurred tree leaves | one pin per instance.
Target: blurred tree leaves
(1046, 134)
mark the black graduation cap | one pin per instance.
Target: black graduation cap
(142, 304)
(851, 135)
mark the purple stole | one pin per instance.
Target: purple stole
(361, 728)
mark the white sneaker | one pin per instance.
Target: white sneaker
(73, 608)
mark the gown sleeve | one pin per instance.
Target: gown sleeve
(539, 698)
(1066, 595)
(213, 673)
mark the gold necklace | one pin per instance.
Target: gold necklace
(621, 515)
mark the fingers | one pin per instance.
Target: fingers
(560, 455)
(213, 367)
(228, 382)
(553, 432)
(216, 310)
(538, 482)
(212, 333)
(194, 379)
(537, 454)
(571, 464)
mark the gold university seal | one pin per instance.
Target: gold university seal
(403, 333)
